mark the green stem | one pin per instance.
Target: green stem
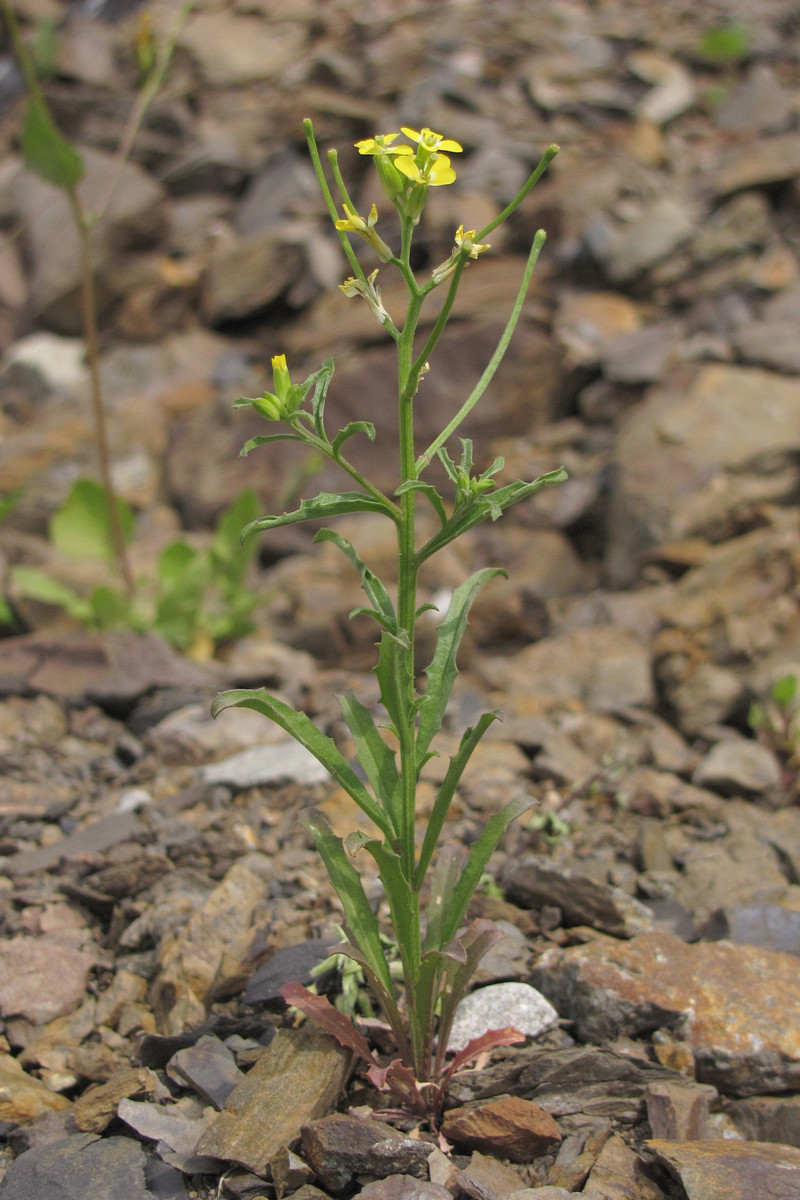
(546, 159)
(329, 201)
(494, 361)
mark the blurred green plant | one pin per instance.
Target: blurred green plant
(55, 159)
(776, 723)
(197, 599)
(724, 44)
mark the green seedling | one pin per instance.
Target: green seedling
(776, 723)
(197, 599)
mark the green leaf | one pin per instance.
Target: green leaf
(46, 151)
(227, 542)
(82, 526)
(304, 731)
(9, 502)
(264, 438)
(362, 924)
(173, 563)
(430, 493)
(449, 864)
(320, 381)
(376, 758)
(446, 790)
(784, 690)
(111, 608)
(443, 668)
(479, 856)
(326, 504)
(375, 591)
(349, 431)
(725, 43)
(36, 585)
(488, 505)
(392, 678)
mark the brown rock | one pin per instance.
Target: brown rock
(678, 1112)
(740, 1043)
(730, 1170)
(619, 1175)
(298, 1080)
(510, 1128)
(23, 1098)
(341, 1147)
(41, 979)
(191, 960)
(97, 1107)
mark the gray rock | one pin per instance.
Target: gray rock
(768, 1119)
(534, 881)
(76, 1168)
(770, 926)
(247, 274)
(739, 765)
(176, 1129)
(605, 668)
(649, 239)
(209, 1067)
(259, 765)
(499, 1005)
(403, 1187)
(765, 161)
(770, 344)
(290, 964)
(696, 451)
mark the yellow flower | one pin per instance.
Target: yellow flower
(385, 153)
(430, 141)
(381, 145)
(435, 172)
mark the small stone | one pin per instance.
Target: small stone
(41, 978)
(402, 1187)
(491, 1174)
(768, 1119)
(298, 1080)
(176, 1129)
(290, 964)
(510, 1128)
(97, 1107)
(618, 1174)
(739, 765)
(654, 235)
(341, 1147)
(191, 961)
(500, 1005)
(679, 1112)
(535, 881)
(289, 1172)
(209, 1067)
(729, 1170)
(578, 1153)
(770, 926)
(260, 765)
(23, 1098)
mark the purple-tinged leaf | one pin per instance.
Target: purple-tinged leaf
(320, 1010)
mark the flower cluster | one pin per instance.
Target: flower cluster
(406, 173)
(287, 397)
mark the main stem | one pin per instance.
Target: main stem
(406, 616)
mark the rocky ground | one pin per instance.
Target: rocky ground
(155, 886)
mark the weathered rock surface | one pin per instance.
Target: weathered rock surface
(731, 1170)
(609, 987)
